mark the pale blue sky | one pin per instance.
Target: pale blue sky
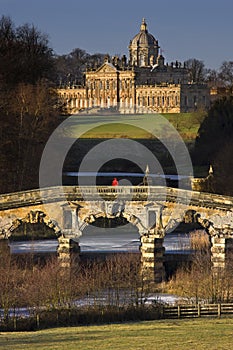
(185, 29)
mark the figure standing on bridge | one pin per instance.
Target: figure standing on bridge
(115, 182)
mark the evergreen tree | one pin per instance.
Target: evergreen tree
(214, 143)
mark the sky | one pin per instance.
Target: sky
(200, 29)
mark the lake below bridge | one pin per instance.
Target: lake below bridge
(97, 240)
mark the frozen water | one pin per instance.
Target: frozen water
(103, 241)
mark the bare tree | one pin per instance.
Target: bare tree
(226, 74)
(196, 70)
(71, 67)
(25, 53)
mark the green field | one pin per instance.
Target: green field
(117, 130)
(199, 334)
(187, 124)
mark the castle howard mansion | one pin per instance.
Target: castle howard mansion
(144, 83)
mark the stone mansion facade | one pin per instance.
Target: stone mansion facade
(144, 83)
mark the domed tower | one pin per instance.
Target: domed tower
(143, 48)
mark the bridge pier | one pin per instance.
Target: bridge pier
(152, 258)
(218, 252)
(68, 251)
(221, 247)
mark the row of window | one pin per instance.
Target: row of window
(170, 100)
(159, 101)
(107, 84)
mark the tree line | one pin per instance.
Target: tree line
(214, 144)
(29, 110)
(199, 73)
(27, 101)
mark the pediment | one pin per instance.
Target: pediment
(106, 68)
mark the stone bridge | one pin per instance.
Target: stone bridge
(154, 210)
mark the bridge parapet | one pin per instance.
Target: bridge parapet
(132, 193)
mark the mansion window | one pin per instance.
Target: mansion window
(107, 84)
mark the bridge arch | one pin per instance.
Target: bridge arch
(112, 235)
(146, 217)
(33, 217)
(218, 227)
(130, 218)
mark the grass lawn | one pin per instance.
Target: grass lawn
(199, 334)
(187, 124)
(117, 130)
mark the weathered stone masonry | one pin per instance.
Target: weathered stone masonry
(153, 210)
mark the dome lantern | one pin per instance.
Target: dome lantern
(143, 48)
(144, 26)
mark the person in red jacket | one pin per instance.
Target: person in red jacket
(115, 182)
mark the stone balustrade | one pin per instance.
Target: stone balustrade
(132, 193)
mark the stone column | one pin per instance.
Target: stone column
(68, 251)
(134, 97)
(218, 252)
(221, 250)
(152, 257)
